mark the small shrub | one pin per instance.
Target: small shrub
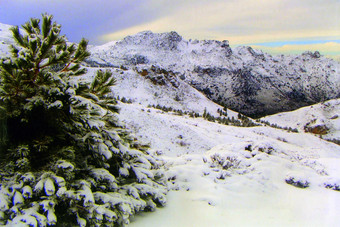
(122, 67)
(248, 148)
(282, 139)
(225, 162)
(334, 117)
(183, 144)
(177, 98)
(336, 141)
(335, 187)
(267, 150)
(297, 182)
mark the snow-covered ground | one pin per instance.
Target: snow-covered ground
(322, 114)
(251, 188)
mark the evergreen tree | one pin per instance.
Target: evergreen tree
(205, 113)
(64, 157)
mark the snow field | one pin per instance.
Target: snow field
(254, 192)
(327, 113)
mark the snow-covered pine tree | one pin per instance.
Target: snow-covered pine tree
(64, 157)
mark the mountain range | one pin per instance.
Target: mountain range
(244, 79)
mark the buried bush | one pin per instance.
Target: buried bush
(333, 186)
(297, 181)
(64, 158)
(225, 162)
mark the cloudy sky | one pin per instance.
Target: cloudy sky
(277, 26)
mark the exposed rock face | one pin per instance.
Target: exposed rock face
(165, 41)
(136, 59)
(316, 54)
(318, 129)
(159, 76)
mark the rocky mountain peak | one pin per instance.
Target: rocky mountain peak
(164, 41)
(316, 54)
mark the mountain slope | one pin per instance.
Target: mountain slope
(239, 176)
(158, 88)
(244, 79)
(321, 119)
(5, 38)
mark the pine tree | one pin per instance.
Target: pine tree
(64, 157)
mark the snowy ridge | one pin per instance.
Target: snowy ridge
(5, 33)
(323, 114)
(248, 80)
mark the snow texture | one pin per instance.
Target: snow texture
(252, 189)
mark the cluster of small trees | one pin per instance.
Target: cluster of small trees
(170, 109)
(336, 141)
(223, 112)
(243, 121)
(125, 100)
(289, 129)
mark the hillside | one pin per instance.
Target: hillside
(262, 165)
(321, 119)
(224, 175)
(220, 174)
(246, 80)
(160, 88)
(240, 176)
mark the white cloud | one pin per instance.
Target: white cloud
(243, 21)
(330, 49)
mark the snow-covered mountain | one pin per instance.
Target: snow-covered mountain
(247, 80)
(159, 88)
(223, 175)
(5, 38)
